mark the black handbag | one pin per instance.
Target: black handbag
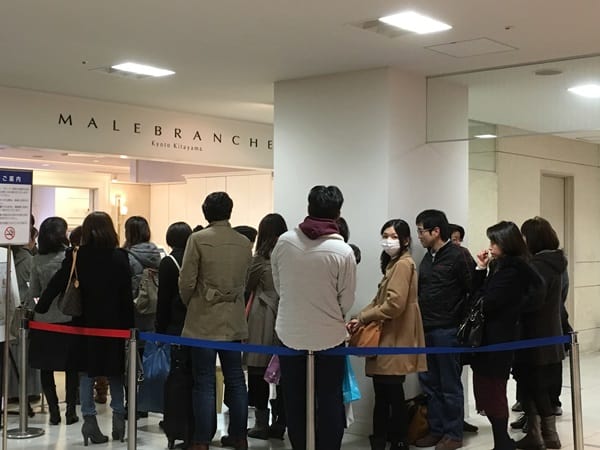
(70, 302)
(470, 331)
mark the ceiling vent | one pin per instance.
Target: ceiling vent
(381, 28)
(471, 47)
(120, 73)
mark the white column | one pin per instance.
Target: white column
(365, 132)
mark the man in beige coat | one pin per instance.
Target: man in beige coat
(211, 284)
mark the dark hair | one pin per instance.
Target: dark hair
(343, 228)
(178, 234)
(75, 236)
(217, 206)
(432, 218)
(197, 228)
(247, 231)
(98, 231)
(325, 202)
(53, 235)
(507, 236)
(452, 227)
(403, 231)
(137, 231)
(357, 254)
(539, 235)
(269, 229)
(33, 233)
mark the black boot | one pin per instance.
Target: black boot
(52, 399)
(90, 430)
(377, 442)
(519, 423)
(71, 415)
(278, 422)
(549, 434)
(118, 427)
(533, 439)
(502, 440)
(260, 430)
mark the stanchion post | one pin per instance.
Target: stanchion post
(576, 393)
(132, 392)
(23, 432)
(8, 298)
(310, 400)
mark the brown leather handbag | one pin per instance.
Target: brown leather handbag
(367, 335)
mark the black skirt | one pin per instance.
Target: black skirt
(55, 351)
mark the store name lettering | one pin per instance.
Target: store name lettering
(175, 133)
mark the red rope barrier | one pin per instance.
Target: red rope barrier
(83, 331)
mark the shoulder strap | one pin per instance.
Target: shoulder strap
(176, 263)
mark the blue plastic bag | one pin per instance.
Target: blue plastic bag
(157, 364)
(350, 386)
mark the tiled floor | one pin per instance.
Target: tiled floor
(151, 437)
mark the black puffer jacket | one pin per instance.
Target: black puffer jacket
(444, 281)
(503, 290)
(541, 315)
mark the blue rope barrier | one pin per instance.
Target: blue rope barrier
(357, 351)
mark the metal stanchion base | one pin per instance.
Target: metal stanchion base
(16, 433)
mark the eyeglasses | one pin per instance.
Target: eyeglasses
(420, 231)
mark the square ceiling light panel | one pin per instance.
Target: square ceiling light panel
(471, 47)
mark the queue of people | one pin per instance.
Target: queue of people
(296, 291)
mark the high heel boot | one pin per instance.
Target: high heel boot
(90, 430)
(118, 430)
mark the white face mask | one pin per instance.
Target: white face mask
(391, 246)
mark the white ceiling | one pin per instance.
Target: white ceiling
(229, 53)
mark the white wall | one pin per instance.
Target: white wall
(252, 197)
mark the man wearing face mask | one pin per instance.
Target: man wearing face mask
(444, 282)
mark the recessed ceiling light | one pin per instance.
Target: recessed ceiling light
(123, 156)
(415, 22)
(96, 160)
(485, 136)
(586, 90)
(142, 69)
(45, 165)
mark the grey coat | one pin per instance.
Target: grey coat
(142, 255)
(261, 319)
(43, 268)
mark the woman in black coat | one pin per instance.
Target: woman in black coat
(105, 285)
(502, 280)
(538, 369)
(170, 310)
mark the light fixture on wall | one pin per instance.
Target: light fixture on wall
(586, 90)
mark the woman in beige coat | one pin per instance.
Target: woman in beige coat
(396, 306)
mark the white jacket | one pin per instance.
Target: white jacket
(316, 280)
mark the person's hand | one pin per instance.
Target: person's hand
(352, 326)
(483, 259)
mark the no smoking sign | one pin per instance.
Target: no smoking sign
(9, 233)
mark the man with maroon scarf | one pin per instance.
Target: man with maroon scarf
(314, 272)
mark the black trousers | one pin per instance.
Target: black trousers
(537, 387)
(258, 388)
(329, 405)
(390, 412)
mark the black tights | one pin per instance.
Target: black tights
(49, 387)
(390, 413)
(258, 388)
